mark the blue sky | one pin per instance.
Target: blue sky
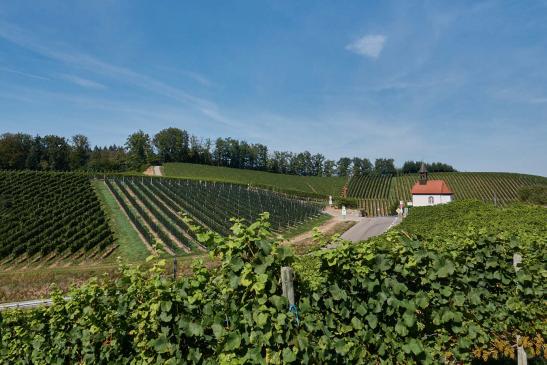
(459, 82)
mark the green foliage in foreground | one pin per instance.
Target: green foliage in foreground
(391, 300)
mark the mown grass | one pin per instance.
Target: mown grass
(130, 245)
(306, 226)
(305, 185)
(308, 244)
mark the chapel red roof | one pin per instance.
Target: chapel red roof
(431, 187)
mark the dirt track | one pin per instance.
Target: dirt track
(153, 171)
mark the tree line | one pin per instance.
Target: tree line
(19, 151)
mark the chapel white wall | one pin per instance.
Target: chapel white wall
(423, 200)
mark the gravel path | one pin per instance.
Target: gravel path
(27, 304)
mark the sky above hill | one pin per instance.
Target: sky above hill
(459, 82)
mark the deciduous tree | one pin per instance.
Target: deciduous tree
(139, 149)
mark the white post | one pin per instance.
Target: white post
(522, 359)
(287, 284)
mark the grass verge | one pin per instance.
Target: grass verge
(131, 248)
(306, 226)
(39, 283)
(307, 244)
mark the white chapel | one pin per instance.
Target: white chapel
(430, 192)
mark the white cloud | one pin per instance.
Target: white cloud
(90, 84)
(370, 45)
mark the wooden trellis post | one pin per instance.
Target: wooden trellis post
(287, 283)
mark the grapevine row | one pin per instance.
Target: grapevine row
(158, 203)
(44, 213)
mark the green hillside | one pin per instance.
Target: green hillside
(378, 195)
(303, 185)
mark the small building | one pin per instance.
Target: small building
(430, 192)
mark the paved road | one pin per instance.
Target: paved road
(26, 304)
(369, 227)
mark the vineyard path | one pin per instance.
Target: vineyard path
(369, 227)
(144, 241)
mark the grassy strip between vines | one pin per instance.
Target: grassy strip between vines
(393, 299)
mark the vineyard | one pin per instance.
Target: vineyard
(48, 217)
(451, 297)
(56, 218)
(313, 186)
(525, 222)
(153, 205)
(378, 195)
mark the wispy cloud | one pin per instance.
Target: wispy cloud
(89, 84)
(370, 45)
(519, 95)
(200, 79)
(26, 74)
(84, 61)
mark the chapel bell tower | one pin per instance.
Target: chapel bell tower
(423, 174)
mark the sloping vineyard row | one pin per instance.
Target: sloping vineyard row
(499, 187)
(168, 216)
(55, 214)
(375, 207)
(176, 237)
(133, 217)
(154, 207)
(157, 231)
(369, 187)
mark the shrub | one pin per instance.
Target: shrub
(536, 194)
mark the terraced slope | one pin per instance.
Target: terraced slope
(314, 186)
(153, 205)
(49, 216)
(379, 195)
